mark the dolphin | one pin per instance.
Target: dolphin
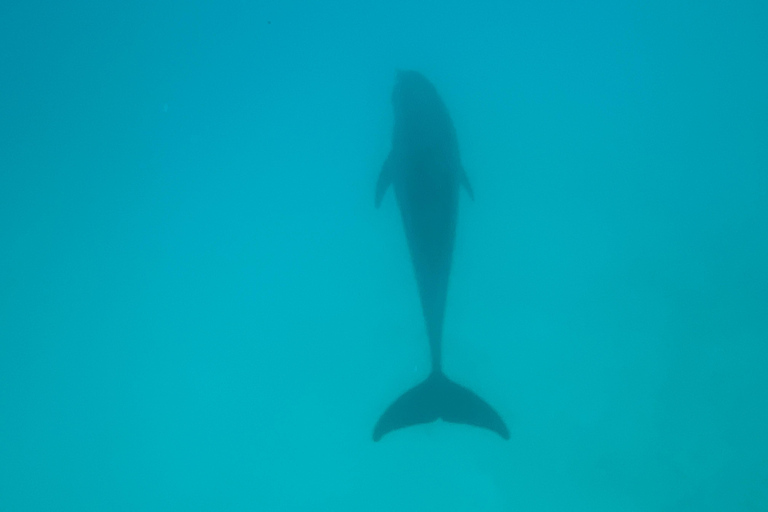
(425, 170)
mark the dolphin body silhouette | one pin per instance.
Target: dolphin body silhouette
(424, 168)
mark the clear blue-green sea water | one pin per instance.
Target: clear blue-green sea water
(201, 309)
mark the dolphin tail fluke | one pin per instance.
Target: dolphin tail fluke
(439, 397)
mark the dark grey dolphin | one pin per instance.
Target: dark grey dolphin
(424, 167)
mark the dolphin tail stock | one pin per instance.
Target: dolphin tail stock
(439, 397)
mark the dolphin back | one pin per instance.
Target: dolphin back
(439, 398)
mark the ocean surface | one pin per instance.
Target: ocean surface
(201, 309)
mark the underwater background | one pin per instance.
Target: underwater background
(201, 309)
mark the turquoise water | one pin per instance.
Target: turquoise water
(200, 308)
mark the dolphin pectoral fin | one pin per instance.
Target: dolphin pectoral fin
(439, 397)
(466, 185)
(385, 179)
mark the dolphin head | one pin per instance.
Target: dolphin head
(409, 86)
(413, 95)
